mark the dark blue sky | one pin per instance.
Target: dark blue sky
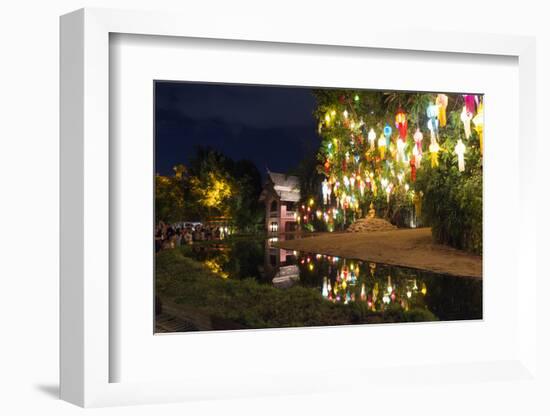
(271, 126)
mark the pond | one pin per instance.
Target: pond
(343, 280)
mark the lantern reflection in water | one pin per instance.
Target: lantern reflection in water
(378, 287)
(347, 281)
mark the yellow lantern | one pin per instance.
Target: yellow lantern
(434, 149)
(441, 101)
(478, 125)
(382, 146)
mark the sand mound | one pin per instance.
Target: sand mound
(370, 224)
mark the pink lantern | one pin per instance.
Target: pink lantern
(470, 103)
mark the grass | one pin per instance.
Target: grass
(249, 304)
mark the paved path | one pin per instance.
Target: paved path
(404, 247)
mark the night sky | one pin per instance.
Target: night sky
(272, 126)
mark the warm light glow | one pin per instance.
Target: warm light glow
(216, 268)
(214, 192)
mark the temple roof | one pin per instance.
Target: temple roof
(286, 187)
(280, 180)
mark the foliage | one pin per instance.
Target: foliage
(169, 197)
(212, 191)
(451, 201)
(251, 304)
(215, 187)
(453, 204)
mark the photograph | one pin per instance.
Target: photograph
(291, 206)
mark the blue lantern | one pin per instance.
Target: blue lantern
(387, 134)
(433, 123)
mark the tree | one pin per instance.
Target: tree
(368, 154)
(228, 188)
(170, 203)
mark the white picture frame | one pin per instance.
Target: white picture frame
(85, 182)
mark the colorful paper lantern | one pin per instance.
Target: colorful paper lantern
(382, 146)
(327, 166)
(401, 123)
(459, 150)
(418, 136)
(470, 103)
(478, 125)
(326, 192)
(432, 112)
(363, 292)
(417, 157)
(441, 101)
(466, 118)
(372, 138)
(413, 167)
(387, 134)
(434, 153)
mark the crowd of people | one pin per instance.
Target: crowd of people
(178, 235)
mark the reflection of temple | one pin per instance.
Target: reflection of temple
(286, 276)
(277, 267)
(280, 194)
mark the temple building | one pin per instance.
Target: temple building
(280, 195)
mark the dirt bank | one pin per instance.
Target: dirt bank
(408, 247)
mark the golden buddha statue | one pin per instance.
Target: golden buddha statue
(372, 211)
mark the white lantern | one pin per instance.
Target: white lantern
(459, 150)
(466, 118)
(372, 138)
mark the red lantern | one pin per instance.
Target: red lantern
(401, 123)
(413, 168)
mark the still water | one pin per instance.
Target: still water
(345, 280)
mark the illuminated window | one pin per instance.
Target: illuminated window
(274, 227)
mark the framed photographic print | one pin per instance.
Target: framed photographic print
(293, 206)
(255, 215)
